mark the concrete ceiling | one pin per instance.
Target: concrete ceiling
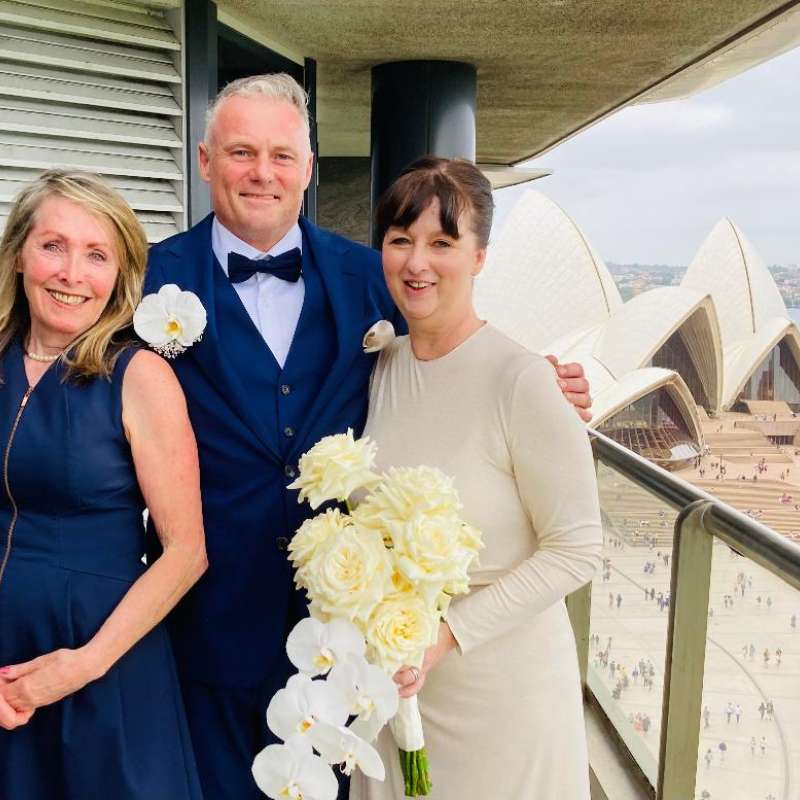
(546, 68)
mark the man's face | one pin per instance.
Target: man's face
(257, 163)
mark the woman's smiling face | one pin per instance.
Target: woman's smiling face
(429, 272)
(69, 266)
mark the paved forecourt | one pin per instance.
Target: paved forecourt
(749, 758)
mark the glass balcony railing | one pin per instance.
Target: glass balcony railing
(751, 695)
(629, 613)
(688, 638)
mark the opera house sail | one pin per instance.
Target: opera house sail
(760, 342)
(665, 358)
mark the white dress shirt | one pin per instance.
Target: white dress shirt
(273, 304)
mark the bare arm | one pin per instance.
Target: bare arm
(165, 456)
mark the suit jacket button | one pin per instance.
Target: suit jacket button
(288, 432)
(282, 543)
(290, 471)
(285, 388)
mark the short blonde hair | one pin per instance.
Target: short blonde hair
(278, 86)
(94, 352)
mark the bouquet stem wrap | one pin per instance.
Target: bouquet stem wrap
(406, 727)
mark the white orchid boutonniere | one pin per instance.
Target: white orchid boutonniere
(170, 321)
(378, 336)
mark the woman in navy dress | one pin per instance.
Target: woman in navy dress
(92, 429)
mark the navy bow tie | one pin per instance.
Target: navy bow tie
(285, 266)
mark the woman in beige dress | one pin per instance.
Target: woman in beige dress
(500, 692)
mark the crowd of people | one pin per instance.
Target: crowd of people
(620, 677)
(757, 745)
(730, 729)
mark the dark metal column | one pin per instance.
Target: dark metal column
(201, 88)
(310, 85)
(419, 108)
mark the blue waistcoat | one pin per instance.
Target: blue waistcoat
(252, 421)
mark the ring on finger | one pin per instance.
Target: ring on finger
(415, 672)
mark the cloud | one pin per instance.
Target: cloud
(671, 119)
(647, 184)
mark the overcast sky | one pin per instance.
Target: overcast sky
(648, 184)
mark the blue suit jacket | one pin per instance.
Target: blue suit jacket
(230, 629)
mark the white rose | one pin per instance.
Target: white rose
(428, 550)
(350, 575)
(460, 586)
(334, 468)
(400, 629)
(399, 581)
(406, 492)
(471, 538)
(313, 533)
(442, 602)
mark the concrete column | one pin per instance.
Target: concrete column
(310, 85)
(201, 88)
(419, 108)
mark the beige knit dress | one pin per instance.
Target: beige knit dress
(502, 715)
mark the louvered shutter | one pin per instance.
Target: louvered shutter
(95, 86)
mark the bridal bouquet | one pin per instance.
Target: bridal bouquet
(379, 579)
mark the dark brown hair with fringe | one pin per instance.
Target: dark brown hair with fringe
(457, 184)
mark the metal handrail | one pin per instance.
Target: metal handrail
(702, 517)
(747, 536)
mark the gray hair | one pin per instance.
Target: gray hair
(278, 86)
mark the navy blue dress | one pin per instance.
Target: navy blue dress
(77, 540)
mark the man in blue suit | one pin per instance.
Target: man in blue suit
(280, 365)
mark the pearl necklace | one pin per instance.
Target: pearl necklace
(40, 357)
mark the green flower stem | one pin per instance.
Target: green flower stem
(424, 772)
(416, 774)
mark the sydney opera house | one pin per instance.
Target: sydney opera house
(657, 363)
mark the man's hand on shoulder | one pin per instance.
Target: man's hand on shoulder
(574, 385)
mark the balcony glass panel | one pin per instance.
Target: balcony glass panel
(629, 618)
(750, 724)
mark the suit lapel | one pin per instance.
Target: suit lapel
(344, 290)
(193, 268)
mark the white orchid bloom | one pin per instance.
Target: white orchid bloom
(302, 704)
(371, 693)
(314, 647)
(367, 729)
(338, 745)
(170, 320)
(284, 772)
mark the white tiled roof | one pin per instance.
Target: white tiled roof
(636, 331)
(545, 286)
(542, 278)
(752, 314)
(637, 384)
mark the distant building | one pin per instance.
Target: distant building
(660, 360)
(760, 342)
